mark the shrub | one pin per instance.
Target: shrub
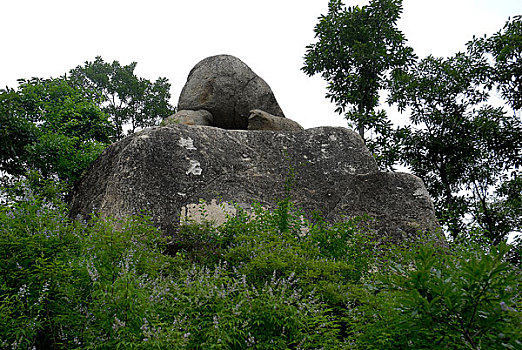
(269, 280)
(107, 285)
(63, 283)
(450, 301)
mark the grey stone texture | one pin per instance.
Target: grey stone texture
(187, 117)
(261, 120)
(166, 171)
(229, 90)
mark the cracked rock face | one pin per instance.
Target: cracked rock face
(166, 171)
(229, 90)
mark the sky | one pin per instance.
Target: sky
(167, 38)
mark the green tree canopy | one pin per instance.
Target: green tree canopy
(57, 127)
(50, 127)
(16, 132)
(467, 151)
(356, 50)
(126, 98)
(505, 48)
(459, 145)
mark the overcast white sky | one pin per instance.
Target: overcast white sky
(167, 38)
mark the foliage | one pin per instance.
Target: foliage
(125, 97)
(16, 133)
(57, 127)
(461, 301)
(461, 147)
(505, 48)
(219, 309)
(52, 128)
(356, 50)
(467, 152)
(108, 284)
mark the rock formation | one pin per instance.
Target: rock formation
(166, 171)
(261, 120)
(229, 90)
(187, 117)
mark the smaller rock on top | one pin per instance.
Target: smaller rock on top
(227, 88)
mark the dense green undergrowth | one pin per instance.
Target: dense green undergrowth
(264, 281)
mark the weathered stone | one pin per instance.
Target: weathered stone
(229, 90)
(201, 117)
(408, 205)
(215, 211)
(261, 120)
(166, 171)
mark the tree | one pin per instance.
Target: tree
(467, 152)
(51, 127)
(126, 98)
(356, 50)
(16, 132)
(505, 49)
(461, 147)
(57, 127)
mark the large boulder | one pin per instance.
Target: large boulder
(229, 90)
(166, 171)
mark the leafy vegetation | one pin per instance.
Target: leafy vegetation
(466, 149)
(57, 127)
(461, 146)
(50, 127)
(357, 49)
(248, 283)
(128, 100)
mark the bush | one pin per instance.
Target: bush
(64, 283)
(464, 300)
(107, 285)
(270, 280)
